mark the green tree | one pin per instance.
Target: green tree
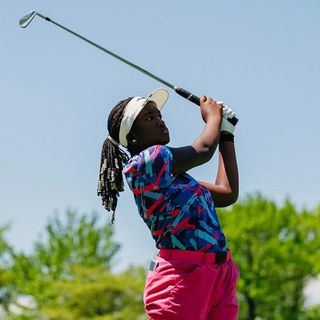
(6, 288)
(313, 313)
(78, 240)
(69, 273)
(94, 293)
(277, 250)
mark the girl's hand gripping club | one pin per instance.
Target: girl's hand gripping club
(227, 116)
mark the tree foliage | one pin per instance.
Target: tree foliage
(78, 240)
(94, 293)
(6, 276)
(69, 273)
(277, 250)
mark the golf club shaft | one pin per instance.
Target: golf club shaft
(108, 51)
(182, 92)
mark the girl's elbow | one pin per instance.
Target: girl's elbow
(204, 151)
(226, 200)
(234, 194)
(205, 154)
(233, 199)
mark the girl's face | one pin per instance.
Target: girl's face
(148, 128)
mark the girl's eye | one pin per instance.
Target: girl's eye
(149, 118)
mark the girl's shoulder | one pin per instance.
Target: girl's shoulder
(149, 159)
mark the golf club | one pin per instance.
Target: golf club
(26, 20)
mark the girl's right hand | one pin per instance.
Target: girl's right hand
(210, 109)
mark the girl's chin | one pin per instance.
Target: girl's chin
(166, 140)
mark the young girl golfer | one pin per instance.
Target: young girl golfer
(193, 277)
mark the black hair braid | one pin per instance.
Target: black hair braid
(112, 159)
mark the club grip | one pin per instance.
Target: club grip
(187, 95)
(191, 97)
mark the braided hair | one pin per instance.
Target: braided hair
(112, 159)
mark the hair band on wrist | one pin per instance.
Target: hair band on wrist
(226, 137)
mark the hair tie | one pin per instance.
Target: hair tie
(114, 142)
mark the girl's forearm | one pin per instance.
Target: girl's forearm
(207, 142)
(228, 176)
(225, 190)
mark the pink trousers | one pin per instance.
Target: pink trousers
(189, 285)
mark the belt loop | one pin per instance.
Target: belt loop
(221, 257)
(153, 265)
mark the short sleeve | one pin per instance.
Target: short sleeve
(151, 169)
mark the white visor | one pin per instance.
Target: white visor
(133, 108)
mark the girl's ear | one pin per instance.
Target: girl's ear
(131, 138)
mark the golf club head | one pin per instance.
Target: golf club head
(25, 21)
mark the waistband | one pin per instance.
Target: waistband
(194, 256)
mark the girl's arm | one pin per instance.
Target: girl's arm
(203, 148)
(225, 190)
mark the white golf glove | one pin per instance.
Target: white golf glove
(227, 113)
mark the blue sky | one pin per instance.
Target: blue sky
(259, 57)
